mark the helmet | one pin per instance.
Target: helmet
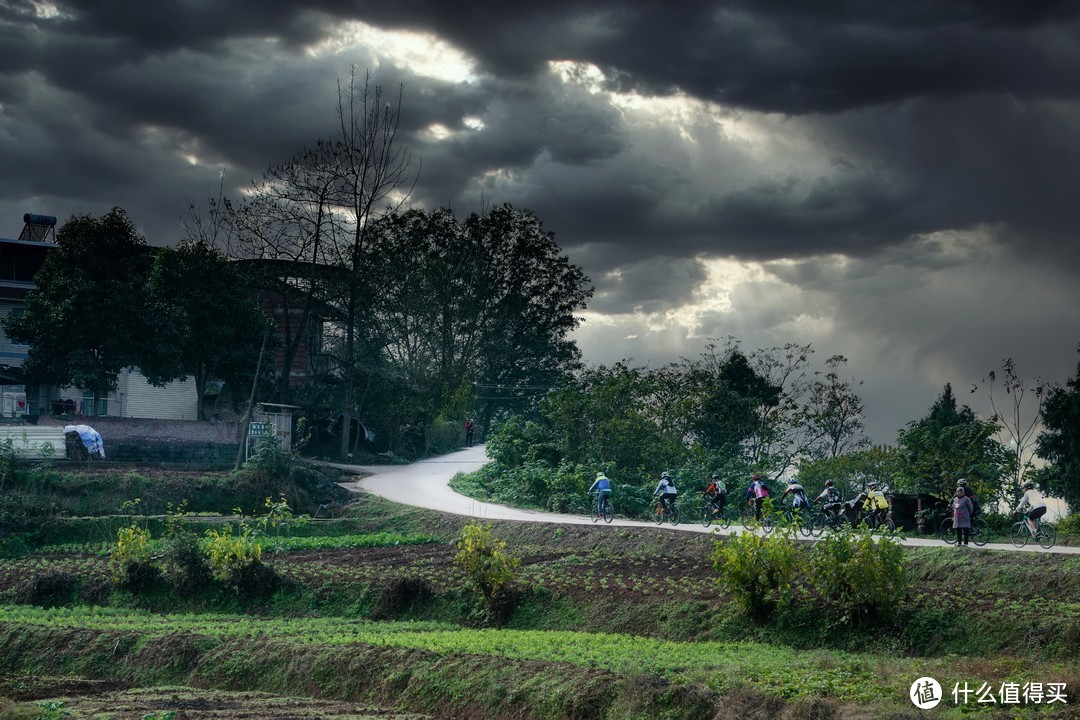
(665, 474)
(715, 477)
(1029, 485)
(828, 483)
(961, 482)
(756, 477)
(600, 474)
(792, 481)
(872, 484)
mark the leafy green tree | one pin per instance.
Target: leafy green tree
(88, 318)
(835, 412)
(851, 472)
(208, 324)
(1059, 442)
(488, 565)
(948, 444)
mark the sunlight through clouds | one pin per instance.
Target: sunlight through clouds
(423, 53)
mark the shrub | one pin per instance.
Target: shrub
(229, 553)
(1069, 525)
(14, 545)
(862, 576)
(132, 547)
(185, 563)
(759, 572)
(488, 566)
(399, 594)
(53, 589)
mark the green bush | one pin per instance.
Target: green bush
(760, 572)
(488, 566)
(1069, 525)
(861, 576)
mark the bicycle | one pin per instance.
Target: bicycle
(980, 532)
(792, 516)
(607, 512)
(749, 519)
(711, 512)
(669, 513)
(1045, 534)
(829, 517)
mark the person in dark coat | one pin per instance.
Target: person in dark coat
(961, 517)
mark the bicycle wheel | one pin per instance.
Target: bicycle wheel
(1019, 534)
(806, 523)
(595, 514)
(609, 511)
(1046, 536)
(658, 516)
(768, 522)
(723, 519)
(946, 533)
(980, 532)
(706, 516)
(746, 517)
(817, 524)
(673, 516)
(890, 524)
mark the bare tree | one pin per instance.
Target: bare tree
(372, 178)
(1020, 423)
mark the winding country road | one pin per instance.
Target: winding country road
(426, 484)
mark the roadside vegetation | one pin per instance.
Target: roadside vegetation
(597, 621)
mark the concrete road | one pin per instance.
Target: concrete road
(426, 484)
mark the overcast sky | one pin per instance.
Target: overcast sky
(896, 182)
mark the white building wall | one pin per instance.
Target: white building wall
(137, 398)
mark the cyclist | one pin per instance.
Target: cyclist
(1032, 498)
(716, 494)
(666, 491)
(798, 495)
(756, 494)
(875, 501)
(829, 495)
(602, 487)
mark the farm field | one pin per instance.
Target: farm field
(370, 613)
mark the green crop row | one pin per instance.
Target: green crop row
(848, 677)
(315, 542)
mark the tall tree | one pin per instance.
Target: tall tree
(835, 412)
(372, 174)
(88, 317)
(950, 443)
(208, 324)
(1018, 421)
(1059, 442)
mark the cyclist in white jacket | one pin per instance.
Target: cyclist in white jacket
(666, 490)
(1033, 499)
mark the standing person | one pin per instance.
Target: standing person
(602, 487)
(969, 493)
(1033, 499)
(666, 490)
(716, 494)
(961, 517)
(756, 493)
(470, 426)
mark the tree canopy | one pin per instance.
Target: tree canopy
(88, 318)
(1059, 443)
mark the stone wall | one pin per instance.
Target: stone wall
(186, 453)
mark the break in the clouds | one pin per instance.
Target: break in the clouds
(895, 182)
